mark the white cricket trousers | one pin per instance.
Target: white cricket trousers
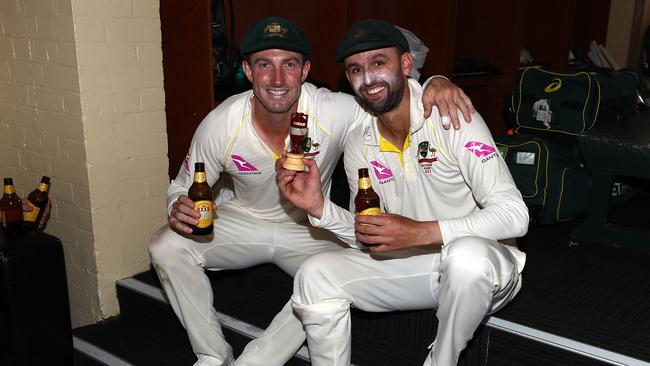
(239, 241)
(470, 278)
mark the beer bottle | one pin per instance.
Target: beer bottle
(366, 202)
(11, 210)
(201, 193)
(37, 199)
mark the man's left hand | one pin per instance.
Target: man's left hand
(445, 95)
(389, 232)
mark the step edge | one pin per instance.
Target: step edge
(226, 321)
(97, 353)
(567, 344)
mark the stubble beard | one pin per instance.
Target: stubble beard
(391, 101)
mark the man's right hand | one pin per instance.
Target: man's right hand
(183, 215)
(303, 189)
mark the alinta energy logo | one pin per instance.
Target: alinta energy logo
(383, 174)
(481, 150)
(244, 167)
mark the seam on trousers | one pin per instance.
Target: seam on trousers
(377, 277)
(215, 246)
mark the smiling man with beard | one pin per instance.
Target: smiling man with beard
(242, 138)
(446, 205)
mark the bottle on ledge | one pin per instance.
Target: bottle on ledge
(11, 210)
(38, 200)
(201, 193)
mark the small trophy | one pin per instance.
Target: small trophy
(297, 134)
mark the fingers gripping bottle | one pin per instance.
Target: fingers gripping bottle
(201, 193)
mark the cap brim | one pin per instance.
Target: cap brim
(262, 46)
(366, 46)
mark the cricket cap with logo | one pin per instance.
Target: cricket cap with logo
(370, 34)
(275, 32)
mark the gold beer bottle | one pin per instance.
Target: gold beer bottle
(201, 193)
(366, 202)
(11, 210)
(38, 200)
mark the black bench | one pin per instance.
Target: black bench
(613, 150)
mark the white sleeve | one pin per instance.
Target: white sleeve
(205, 147)
(502, 213)
(334, 218)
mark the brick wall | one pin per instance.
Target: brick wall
(82, 100)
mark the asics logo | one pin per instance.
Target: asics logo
(479, 149)
(554, 86)
(381, 172)
(242, 164)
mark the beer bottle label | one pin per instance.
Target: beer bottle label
(364, 183)
(199, 177)
(31, 216)
(43, 187)
(207, 214)
(9, 190)
(372, 211)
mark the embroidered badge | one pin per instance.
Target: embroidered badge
(427, 156)
(310, 147)
(275, 30)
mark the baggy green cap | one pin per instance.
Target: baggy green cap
(370, 34)
(277, 33)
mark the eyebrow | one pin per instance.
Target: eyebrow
(284, 60)
(373, 58)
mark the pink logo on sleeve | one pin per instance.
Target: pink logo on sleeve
(479, 149)
(186, 163)
(242, 164)
(381, 172)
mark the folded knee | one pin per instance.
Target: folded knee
(164, 250)
(467, 260)
(314, 282)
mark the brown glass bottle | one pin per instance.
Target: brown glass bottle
(366, 202)
(11, 210)
(38, 200)
(201, 193)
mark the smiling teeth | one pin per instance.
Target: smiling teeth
(277, 92)
(375, 90)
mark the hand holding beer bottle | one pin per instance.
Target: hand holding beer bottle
(201, 193)
(385, 232)
(185, 216)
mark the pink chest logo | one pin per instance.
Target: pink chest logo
(242, 164)
(479, 149)
(381, 172)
